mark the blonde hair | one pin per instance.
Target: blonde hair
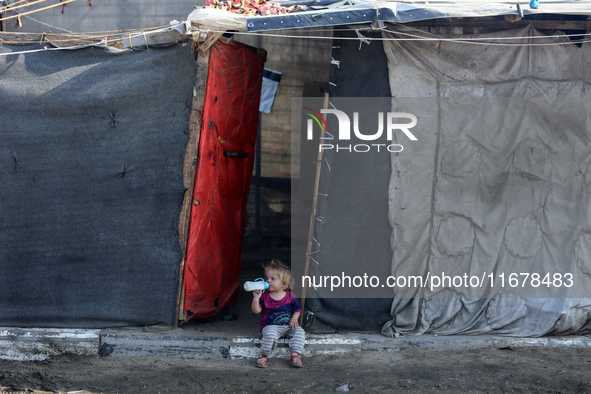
(283, 272)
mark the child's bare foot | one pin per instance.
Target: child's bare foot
(262, 362)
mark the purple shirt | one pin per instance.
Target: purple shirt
(278, 312)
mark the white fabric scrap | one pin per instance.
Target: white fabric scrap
(213, 17)
(362, 39)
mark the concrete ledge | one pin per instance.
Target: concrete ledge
(40, 344)
(315, 345)
(465, 342)
(337, 344)
(174, 343)
(36, 344)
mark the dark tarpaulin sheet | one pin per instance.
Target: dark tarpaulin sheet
(370, 175)
(92, 144)
(222, 179)
(335, 13)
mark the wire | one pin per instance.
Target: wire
(479, 40)
(116, 36)
(47, 24)
(476, 38)
(435, 37)
(125, 31)
(416, 38)
(423, 31)
(47, 49)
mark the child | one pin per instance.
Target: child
(280, 311)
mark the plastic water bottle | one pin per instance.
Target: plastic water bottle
(257, 284)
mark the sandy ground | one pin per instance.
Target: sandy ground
(490, 370)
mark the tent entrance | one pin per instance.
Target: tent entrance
(221, 164)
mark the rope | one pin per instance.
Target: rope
(146, 39)
(45, 49)
(48, 25)
(473, 41)
(407, 36)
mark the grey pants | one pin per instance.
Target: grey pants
(272, 333)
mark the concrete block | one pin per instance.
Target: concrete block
(36, 344)
(474, 342)
(242, 348)
(174, 343)
(378, 343)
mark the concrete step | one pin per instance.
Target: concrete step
(315, 345)
(37, 344)
(172, 343)
(40, 344)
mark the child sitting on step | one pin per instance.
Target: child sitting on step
(280, 310)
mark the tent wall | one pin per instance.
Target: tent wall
(92, 144)
(356, 231)
(496, 185)
(222, 179)
(303, 63)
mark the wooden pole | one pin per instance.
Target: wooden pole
(190, 163)
(313, 214)
(257, 184)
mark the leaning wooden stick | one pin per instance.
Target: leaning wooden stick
(313, 214)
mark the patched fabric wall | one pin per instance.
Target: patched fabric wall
(92, 144)
(496, 185)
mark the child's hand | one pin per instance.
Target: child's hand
(256, 297)
(293, 322)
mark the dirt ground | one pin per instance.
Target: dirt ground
(490, 370)
(419, 371)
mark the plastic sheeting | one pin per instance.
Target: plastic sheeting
(222, 179)
(497, 185)
(92, 144)
(213, 17)
(361, 11)
(269, 88)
